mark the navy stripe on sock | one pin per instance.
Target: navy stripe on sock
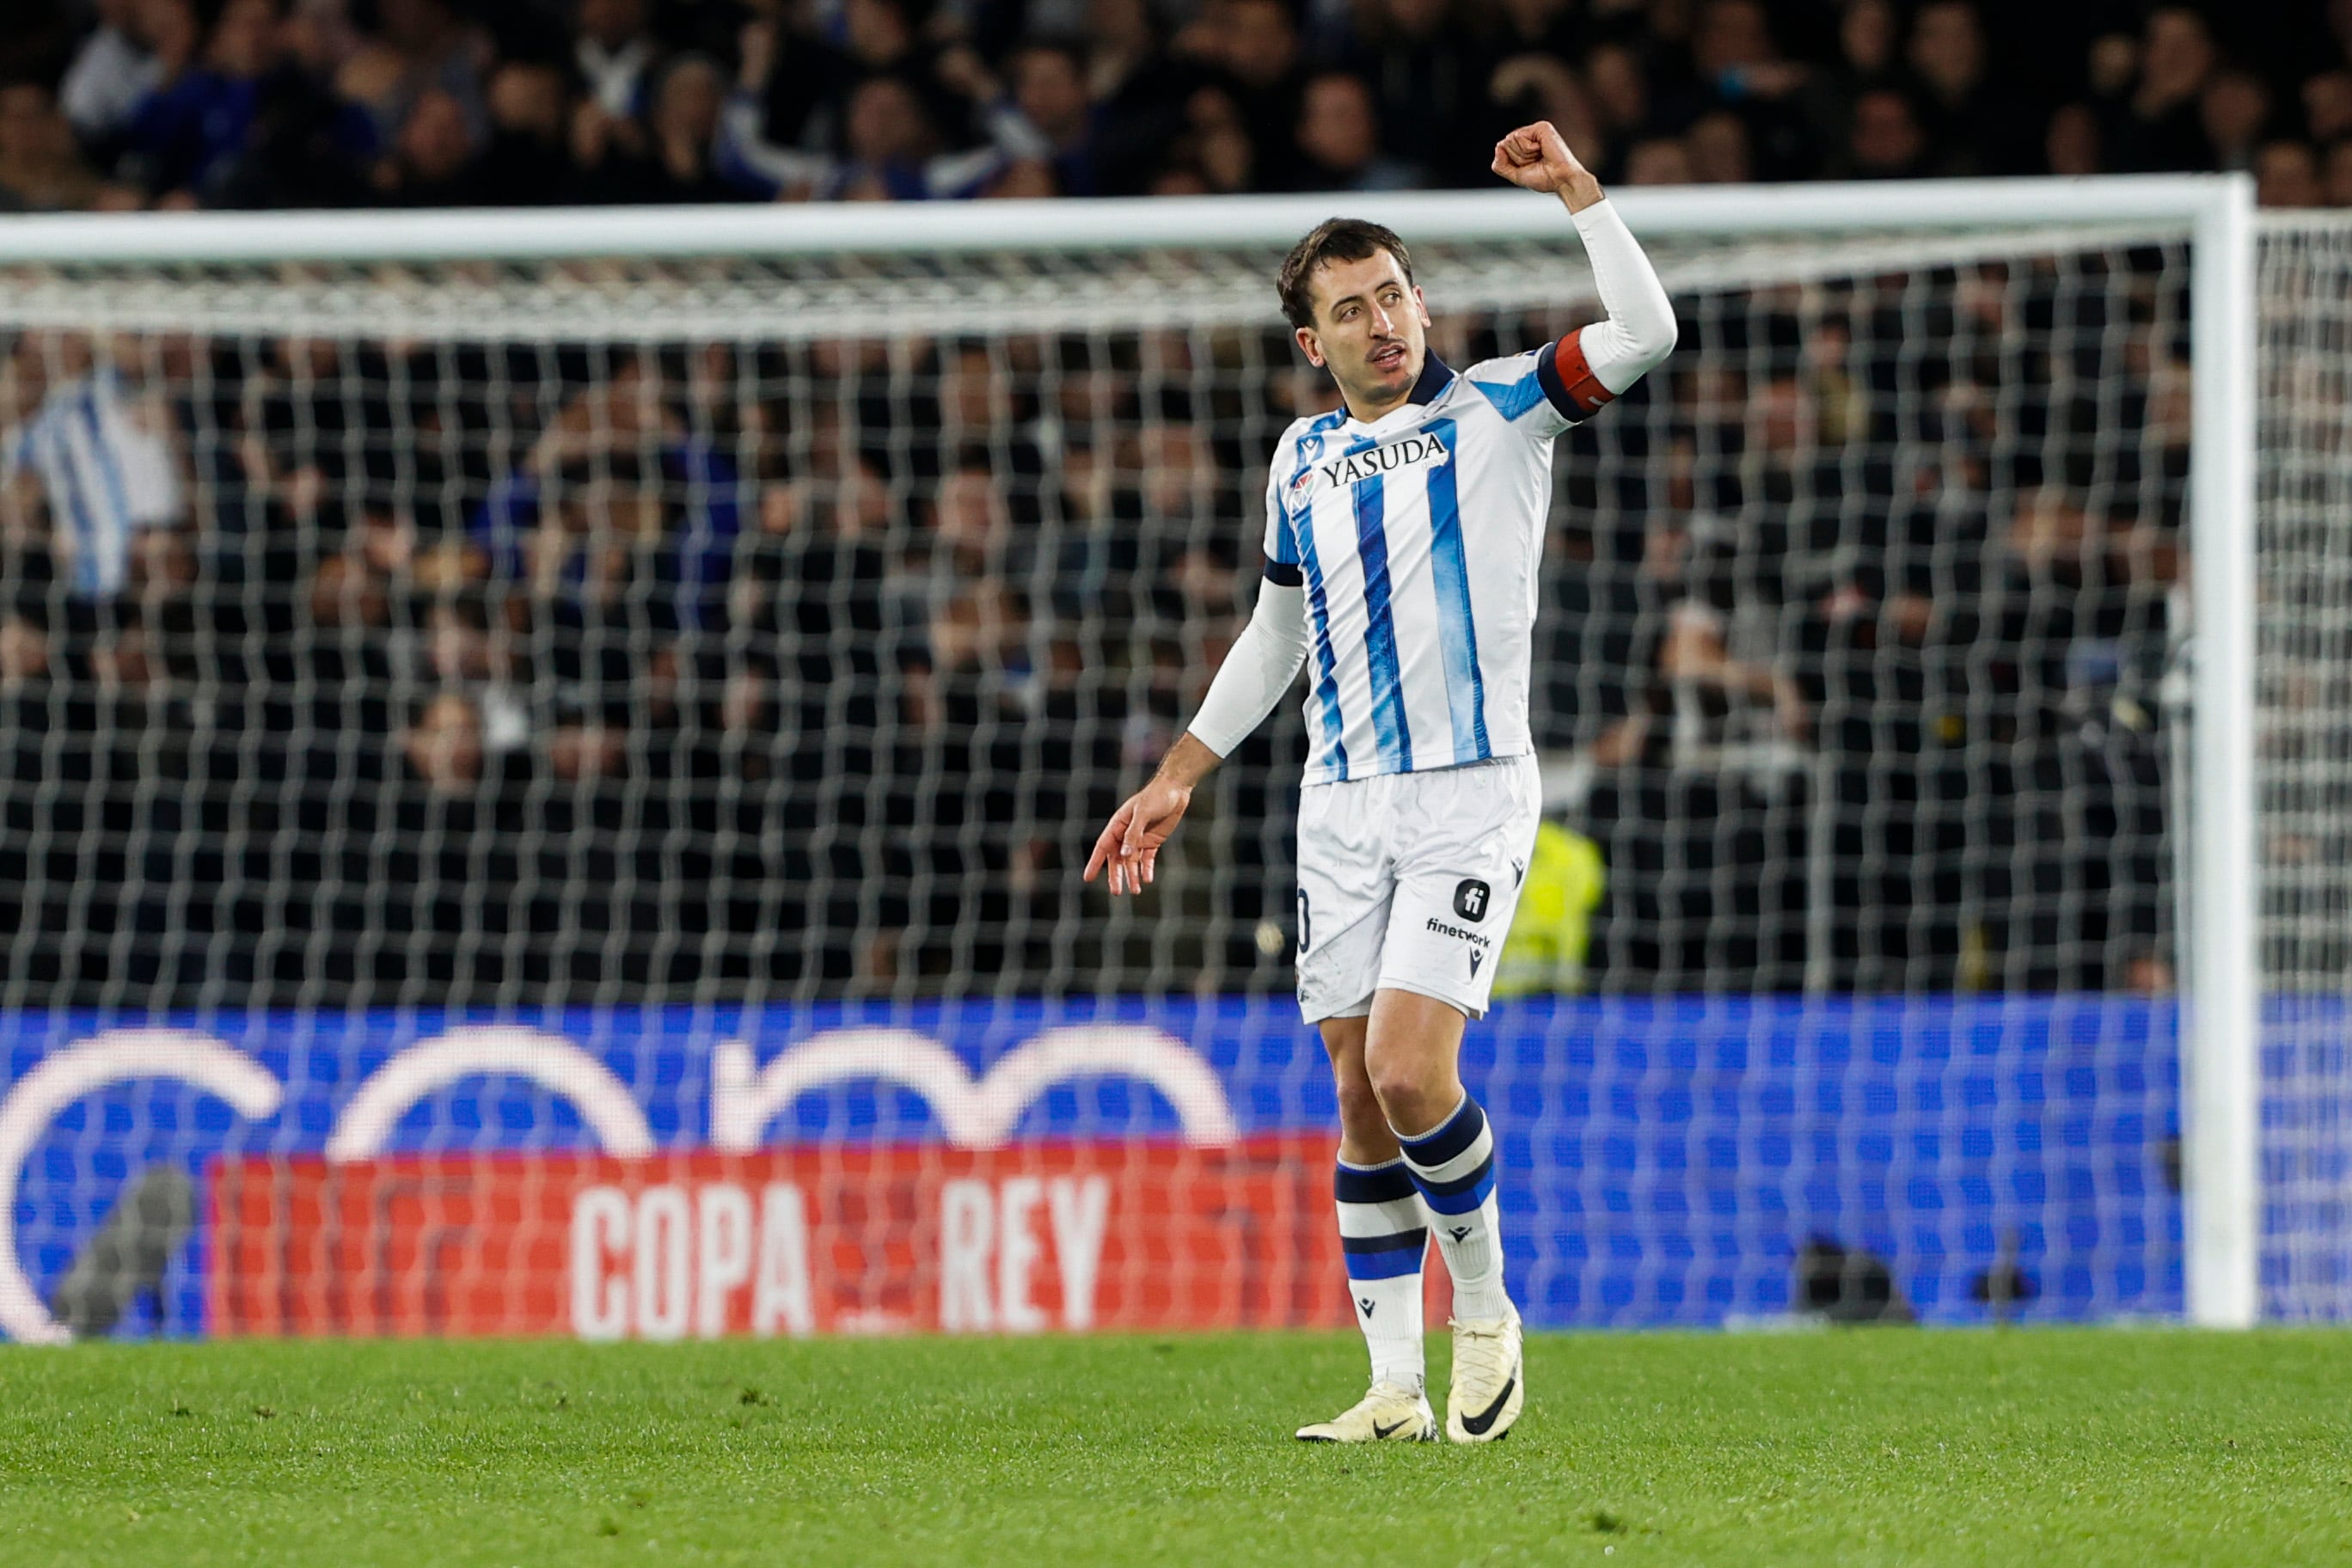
(1415, 1240)
(1463, 1193)
(1384, 1265)
(1457, 1132)
(1381, 1185)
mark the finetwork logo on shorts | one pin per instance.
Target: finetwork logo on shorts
(1470, 898)
(1458, 933)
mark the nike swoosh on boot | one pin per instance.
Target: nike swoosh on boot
(1476, 1424)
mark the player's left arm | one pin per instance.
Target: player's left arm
(1588, 368)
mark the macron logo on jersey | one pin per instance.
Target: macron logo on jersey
(1415, 451)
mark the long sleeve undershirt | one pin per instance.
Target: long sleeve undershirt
(1639, 332)
(1264, 660)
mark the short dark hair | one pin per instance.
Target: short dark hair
(1333, 239)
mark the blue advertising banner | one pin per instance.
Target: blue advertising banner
(1663, 1161)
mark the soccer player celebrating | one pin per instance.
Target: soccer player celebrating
(1403, 531)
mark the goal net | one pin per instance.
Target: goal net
(2304, 597)
(544, 778)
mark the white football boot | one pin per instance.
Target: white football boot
(1389, 1414)
(1490, 1381)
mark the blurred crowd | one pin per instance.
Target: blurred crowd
(444, 672)
(122, 104)
(407, 671)
(389, 670)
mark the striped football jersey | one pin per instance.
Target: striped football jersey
(1417, 537)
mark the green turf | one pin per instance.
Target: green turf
(2138, 1448)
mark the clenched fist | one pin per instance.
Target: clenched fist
(1536, 158)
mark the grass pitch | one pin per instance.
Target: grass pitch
(2139, 1449)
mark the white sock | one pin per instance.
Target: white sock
(1454, 1167)
(1384, 1236)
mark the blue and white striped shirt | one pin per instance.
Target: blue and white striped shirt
(106, 470)
(1417, 537)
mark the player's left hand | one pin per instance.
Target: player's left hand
(1537, 157)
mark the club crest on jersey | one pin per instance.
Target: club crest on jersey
(1415, 451)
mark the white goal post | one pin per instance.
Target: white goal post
(1706, 234)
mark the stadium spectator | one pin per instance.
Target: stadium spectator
(40, 168)
(1975, 125)
(2236, 111)
(113, 69)
(449, 862)
(588, 512)
(105, 460)
(1737, 66)
(2071, 144)
(443, 746)
(1427, 74)
(308, 138)
(1888, 142)
(25, 656)
(467, 652)
(616, 55)
(1254, 49)
(419, 48)
(1620, 96)
(676, 157)
(975, 399)
(972, 532)
(2286, 174)
(527, 161)
(1660, 160)
(1340, 139)
(1718, 148)
(1869, 33)
(344, 593)
(189, 129)
(1213, 156)
(2338, 191)
(432, 159)
(1049, 90)
(1138, 94)
(2160, 128)
(1536, 86)
(2327, 105)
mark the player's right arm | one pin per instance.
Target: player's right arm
(1590, 368)
(1260, 666)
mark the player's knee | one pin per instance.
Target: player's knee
(1356, 1098)
(1408, 1095)
(1359, 1106)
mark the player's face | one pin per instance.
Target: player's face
(1371, 331)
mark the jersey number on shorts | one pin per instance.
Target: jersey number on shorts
(1305, 925)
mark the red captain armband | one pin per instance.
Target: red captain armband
(1568, 379)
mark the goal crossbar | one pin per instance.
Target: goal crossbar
(1114, 225)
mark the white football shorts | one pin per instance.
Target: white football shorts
(1409, 881)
